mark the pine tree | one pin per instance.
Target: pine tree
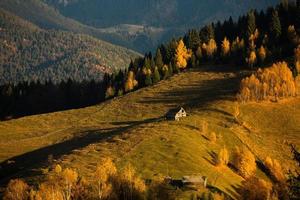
(251, 24)
(148, 79)
(156, 76)
(275, 25)
(192, 40)
(158, 59)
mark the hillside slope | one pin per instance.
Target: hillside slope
(29, 53)
(132, 129)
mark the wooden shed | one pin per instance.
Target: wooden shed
(176, 114)
(194, 181)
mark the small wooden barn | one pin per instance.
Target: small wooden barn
(176, 114)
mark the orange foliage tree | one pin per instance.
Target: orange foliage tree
(225, 47)
(276, 81)
(244, 162)
(275, 169)
(17, 189)
(182, 55)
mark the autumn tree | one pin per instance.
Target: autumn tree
(225, 47)
(273, 82)
(210, 48)
(251, 59)
(130, 83)
(127, 185)
(222, 158)
(275, 169)
(105, 169)
(69, 179)
(182, 55)
(244, 162)
(262, 54)
(255, 188)
(16, 189)
(49, 191)
(212, 137)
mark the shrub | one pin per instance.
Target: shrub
(244, 162)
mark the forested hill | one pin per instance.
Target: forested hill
(158, 13)
(29, 53)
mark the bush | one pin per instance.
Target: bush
(244, 162)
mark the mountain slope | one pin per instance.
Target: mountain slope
(155, 21)
(47, 17)
(29, 53)
(162, 13)
(132, 129)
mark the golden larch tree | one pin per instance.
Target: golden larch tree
(222, 158)
(182, 55)
(262, 54)
(105, 169)
(244, 162)
(130, 83)
(225, 47)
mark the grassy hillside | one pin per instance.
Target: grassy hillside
(30, 53)
(132, 129)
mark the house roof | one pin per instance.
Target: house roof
(175, 110)
(193, 179)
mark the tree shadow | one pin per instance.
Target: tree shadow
(25, 165)
(198, 95)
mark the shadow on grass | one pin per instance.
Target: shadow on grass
(198, 95)
(23, 166)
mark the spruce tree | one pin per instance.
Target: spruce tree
(192, 40)
(275, 25)
(156, 76)
(148, 80)
(251, 24)
(158, 59)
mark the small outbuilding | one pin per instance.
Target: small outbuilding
(194, 181)
(176, 114)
